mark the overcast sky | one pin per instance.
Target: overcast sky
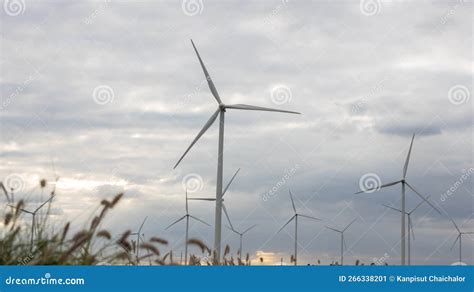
(113, 93)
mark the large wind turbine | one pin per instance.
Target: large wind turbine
(404, 184)
(295, 216)
(33, 217)
(241, 235)
(138, 234)
(221, 109)
(343, 242)
(187, 216)
(459, 237)
(411, 231)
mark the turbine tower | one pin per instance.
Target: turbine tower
(221, 109)
(343, 242)
(138, 234)
(295, 216)
(411, 231)
(459, 237)
(187, 216)
(404, 184)
(241, 235)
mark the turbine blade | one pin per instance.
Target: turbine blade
(248, 229)
(202, 221)
(230, 182)
(309, 217)
(334, 229)
(405, 168)
(349, 225)
(424, 199)
(203, 130)
(175, 222)
(50, 198)
(411, 227)
(230, 228)
(292, 201)
(393, 208)
(286, 224)
(454, 243)
(187, 210)
(208, 77)
(454, 223)
(468, 232)
(419, 204)
(258, 108)
(5, 191)
(380, 187)
(141, 226)
(201, 199)
(227, 215)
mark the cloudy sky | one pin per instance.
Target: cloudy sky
(112, 93)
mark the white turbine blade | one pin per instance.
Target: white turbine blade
(208, 77)
(334, 229)
(393, 208)
(454, 223)
(248, 229)
(423, 198)
(258, 108)
(201, 199)
(203, 130)
(309, 217)
(286, 224)
(379, 187)
(230, 182)
(50, 198)
(202, 221)
(175, 222)
(141, 226)
(231, 229)
(292, 201)
(454, 243)
(419, 204)
(405, 168)
(349, 225)
(187, 212)
(227, 215)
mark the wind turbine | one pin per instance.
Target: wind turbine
(33, 217)
(343, 242)
(459, 237)
(221, 109)
(404, 184)
(138, 234)
(411, 231)
(187, 216)
(241, 235)
(296, 225)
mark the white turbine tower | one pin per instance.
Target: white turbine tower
(343, 242)
(404, 184)
(187, 216)
(221, 109)
(411, 231)
(138, 234)
(241, 235)
(33, 217)
(295, 216)
(459, 237)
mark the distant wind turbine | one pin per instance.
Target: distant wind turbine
(138, 234)
(221, 109)
(295, 216)
(403, 183)
(459, 237)
(33, 217)
(343, 242)
(411, 231)
(241, 235)
(187, 216)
